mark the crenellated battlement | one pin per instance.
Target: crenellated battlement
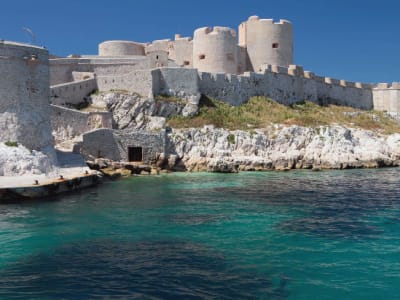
(178, 37)
(268, 21)
(298, 71)
(216, 30)
(387, 86)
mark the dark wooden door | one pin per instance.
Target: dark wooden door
(135, 153)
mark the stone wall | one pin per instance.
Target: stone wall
(61, 69)
(179, 82)
(72, 93)
(70, 123)
(286, 86)
(113, 144)
(138, 81)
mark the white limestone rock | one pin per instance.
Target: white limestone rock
(286, 147)
(135, 112)
(16, 161)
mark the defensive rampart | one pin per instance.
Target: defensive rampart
(72, 93)
(61, 69)
(69, 123)
(286, 86)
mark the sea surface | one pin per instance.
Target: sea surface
(271, 235)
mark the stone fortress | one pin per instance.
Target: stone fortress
(215, 62)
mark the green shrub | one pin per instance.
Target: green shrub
(231, 139)
(11, 144)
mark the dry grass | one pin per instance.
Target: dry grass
(168, 98)
(261, 112)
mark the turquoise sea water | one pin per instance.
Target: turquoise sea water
(291, 235)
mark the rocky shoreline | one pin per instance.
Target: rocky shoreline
(278, 147)
(284, 147)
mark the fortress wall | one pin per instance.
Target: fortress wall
(139, 81)
(69, 123)
(25, 95)
(79, 76)
(61, 69)
(386, 97)
(72, 92)
(178, 82)
(285, 88)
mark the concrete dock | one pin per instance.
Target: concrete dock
(71, 174)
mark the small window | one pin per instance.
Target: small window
(230, 57)
(202, 56)
(275, 45)
(157, 57)
(186, 63)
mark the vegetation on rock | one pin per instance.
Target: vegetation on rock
(11, 144)
(260, 112)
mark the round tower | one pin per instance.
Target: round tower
(25, 95)
(120, 48)
(215, 50)
(267, 42)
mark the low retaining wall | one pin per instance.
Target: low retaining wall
(72, 93)
(68, 123)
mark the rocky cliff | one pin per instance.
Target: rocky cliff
(283, 147)
(276, 147)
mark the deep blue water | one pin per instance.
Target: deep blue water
(290, 235)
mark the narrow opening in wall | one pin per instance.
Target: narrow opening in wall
(135, 153)
(186, 63)
(202, 56)
(230, 57)
(157, 57)
(275, 45)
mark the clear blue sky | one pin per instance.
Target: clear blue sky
(346, 39)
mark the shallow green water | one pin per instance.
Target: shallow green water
(295, 235)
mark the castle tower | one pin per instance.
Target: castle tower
(25, 95)
(267, 42)
(120, 48)
(215, 50)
